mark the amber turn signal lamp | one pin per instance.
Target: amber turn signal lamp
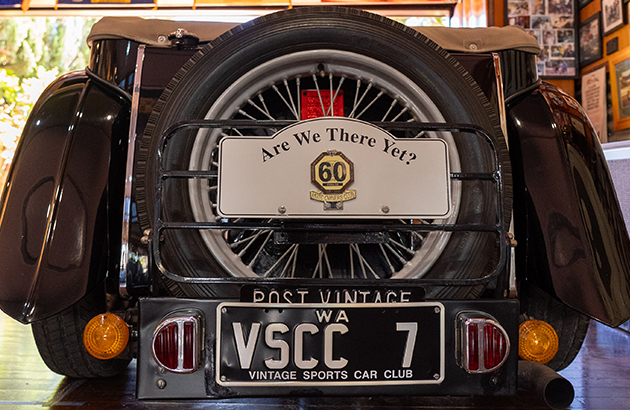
(106, 336)
(538, 341)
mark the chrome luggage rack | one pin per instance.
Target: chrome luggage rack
(159, 225)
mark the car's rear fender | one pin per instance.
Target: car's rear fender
(572, 240)
(57, 203)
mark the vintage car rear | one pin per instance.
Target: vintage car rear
(321, 201)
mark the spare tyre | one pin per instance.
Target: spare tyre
(387, 72)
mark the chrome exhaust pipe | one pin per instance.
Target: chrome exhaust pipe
(556, 391)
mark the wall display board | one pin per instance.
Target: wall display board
(553, 23)
(612, 15)
(620, 88)
(594, 101)
(591, 48)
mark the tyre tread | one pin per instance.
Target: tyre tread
(570, 325)
(59, 340)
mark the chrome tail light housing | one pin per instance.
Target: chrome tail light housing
(177, 344)
(482, 344)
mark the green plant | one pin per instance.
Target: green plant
(17, 97)
(32, 53)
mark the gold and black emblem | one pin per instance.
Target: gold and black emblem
(332, 172)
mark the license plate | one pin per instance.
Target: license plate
(329, 344)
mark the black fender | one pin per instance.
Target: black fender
(57, 203)
(572, 239)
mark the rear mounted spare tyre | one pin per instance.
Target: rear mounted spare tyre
(386, 72)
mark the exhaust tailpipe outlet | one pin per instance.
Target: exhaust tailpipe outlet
(556, 391)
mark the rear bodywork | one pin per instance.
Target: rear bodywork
(551, 144)
(60, 196)
(68, 217)
(572, 237)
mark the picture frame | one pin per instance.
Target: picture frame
(556, 28)
(591, 48)
(619, 69)
(612, 15)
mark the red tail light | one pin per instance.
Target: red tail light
(483, 344)
(473, 348)
(176, 344)
(312, 102)
(495, 346)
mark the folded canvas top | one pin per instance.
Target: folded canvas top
(155, 32)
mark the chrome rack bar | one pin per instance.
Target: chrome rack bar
(159, 226)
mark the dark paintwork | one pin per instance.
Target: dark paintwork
(481, 68)
(571, 234)
(518, 70)
(115, 61)
(54, 222)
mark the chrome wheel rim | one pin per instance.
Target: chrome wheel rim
(378, 93)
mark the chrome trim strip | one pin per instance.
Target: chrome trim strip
(503, 118)
(500, 96)
(135, 102)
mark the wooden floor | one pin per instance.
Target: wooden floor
(600, 375)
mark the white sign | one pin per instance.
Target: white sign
(333, 167)
(594, 101)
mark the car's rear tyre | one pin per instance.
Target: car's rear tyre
(286, 51)
(59, 340)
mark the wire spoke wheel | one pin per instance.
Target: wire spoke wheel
(313, 62)
(338, 83)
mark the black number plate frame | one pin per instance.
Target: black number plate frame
(261, 344)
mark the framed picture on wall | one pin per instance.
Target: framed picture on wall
(612, 15)
(564, 7)
(620, 89)
(553, 24)
(591, 48)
